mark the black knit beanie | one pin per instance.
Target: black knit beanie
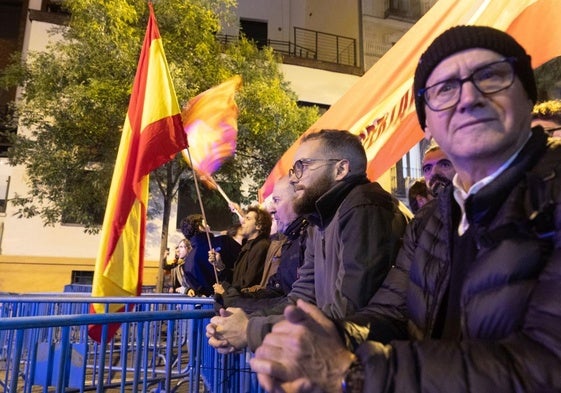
(459, 38)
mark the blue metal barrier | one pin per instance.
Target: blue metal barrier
(160, 347)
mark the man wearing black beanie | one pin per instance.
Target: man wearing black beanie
(473, 301)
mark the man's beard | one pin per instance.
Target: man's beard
(437, 184)
(306, 203)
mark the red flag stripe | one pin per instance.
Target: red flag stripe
(152, 135)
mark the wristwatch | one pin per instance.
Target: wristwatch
(353, 381)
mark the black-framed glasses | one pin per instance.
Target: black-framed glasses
(488, 79)
(550, 131)
(298, 168)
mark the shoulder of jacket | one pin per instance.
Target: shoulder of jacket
(368, 194)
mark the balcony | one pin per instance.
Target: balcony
(314, 49)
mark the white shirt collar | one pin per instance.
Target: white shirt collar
(460, 195)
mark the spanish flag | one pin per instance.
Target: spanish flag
(380, 106)
(152, 135)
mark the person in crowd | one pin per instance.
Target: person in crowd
(284, 257)
(199, 273)
(235, 232)
(418, 195)
(174, 270)
(248, 267)
(472, 304)
(548, 115)
(355, 231)
(437, 169)
(229, 244)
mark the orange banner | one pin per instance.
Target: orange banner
(380, 107)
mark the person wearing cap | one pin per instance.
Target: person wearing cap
(472, 304)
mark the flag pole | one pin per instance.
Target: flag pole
(213, 182)
(200, 199)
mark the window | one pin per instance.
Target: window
(4, 188)
(82, 277)
(404, 9)
(255, 31)
(54, 6)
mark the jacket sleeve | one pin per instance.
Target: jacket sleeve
(262, 321)
(385, 316)
(256, 262)
(258, 327)
(304, 286)
(370, 237)
(527, 360)
(518, 363)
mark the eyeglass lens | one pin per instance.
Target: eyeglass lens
(489, 79)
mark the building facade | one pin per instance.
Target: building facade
(326, 46)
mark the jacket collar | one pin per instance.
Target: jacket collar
(328, 203)
(482, 206)
(248, 244)
(295, 228)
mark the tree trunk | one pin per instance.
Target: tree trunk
(167, 198)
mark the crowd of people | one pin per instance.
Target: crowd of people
(355, 294)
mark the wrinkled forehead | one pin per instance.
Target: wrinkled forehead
(461, 64)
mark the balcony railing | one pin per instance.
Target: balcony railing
(313, 45)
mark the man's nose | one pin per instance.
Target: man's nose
(469, 94)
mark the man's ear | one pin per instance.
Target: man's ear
(342, 169)
(428, 134)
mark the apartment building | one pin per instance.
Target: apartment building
(326, 46)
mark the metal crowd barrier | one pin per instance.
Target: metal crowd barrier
(160, 346)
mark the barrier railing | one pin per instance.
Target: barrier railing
(160, 346)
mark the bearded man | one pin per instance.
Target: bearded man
(437, 169)
(355, 231)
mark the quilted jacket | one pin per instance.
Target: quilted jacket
(510, 300)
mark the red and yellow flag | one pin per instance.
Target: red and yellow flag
(152, 135)
(211, 123)
(380, 106)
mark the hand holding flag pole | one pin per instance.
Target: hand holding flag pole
(234, 207)
(207, 228)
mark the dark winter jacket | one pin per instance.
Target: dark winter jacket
(248, 268)
(352, 242)
(291, 257)
(510, 297)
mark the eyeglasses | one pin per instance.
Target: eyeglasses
(488, 79)
(550, 131)
(298, 168)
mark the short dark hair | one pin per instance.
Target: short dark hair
(190, 225)
(263, 219)
(343, 144)
(417, 188)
